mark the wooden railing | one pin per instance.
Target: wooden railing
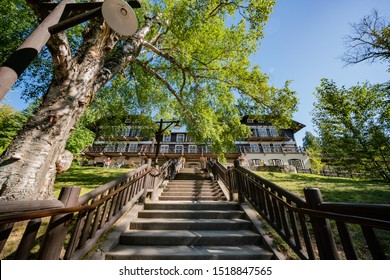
(73, 224)
(312, 228)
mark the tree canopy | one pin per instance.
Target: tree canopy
(353, 126)
(189, 60)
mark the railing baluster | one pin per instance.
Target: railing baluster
(75, 237)
(373, 243)
(27, 241)
(275, 208)
(85, 233)
(97, 220)
(294, 226)
(306, 237)
(346, 241)
(282, 212)
(5, 231)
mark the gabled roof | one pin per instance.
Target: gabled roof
(295, 126)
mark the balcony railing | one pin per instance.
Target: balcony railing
(188, 149)
(274, 150)
(120, 148)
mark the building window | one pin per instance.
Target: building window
(133, 147)
(192, 149)
(179, 149)
(206, 149)
(262, 131)
(126, 131)
(277, 148)
(254, 148)
(296, 162)
(121, 147)
(110, 148)
(275, 162)
(164, 148)
(180, 138)
(167, 138)
(273, 132)
(266, 148)
(132, 132)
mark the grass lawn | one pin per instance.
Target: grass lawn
(87, 177)
(333, 189)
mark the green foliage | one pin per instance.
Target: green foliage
(11, 122)
(192, 66)
(310, 141)
(353, 126)
(80, 138)
(312, 146)
(14, 31)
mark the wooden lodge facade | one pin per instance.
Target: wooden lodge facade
(267, 146)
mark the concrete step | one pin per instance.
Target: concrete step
(192, 193)
(191, 190)
(202, 181)
(188, 214)
(189, 224)
(213, 186)
(244, 252)
(201, 205)
(191, 198)
(193, 186)
(191, 176)
(189, 238)
(192, 220)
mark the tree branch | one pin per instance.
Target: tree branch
(169, 87)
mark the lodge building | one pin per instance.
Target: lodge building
(267, 145)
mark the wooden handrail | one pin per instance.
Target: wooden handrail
(22, 206)
(18, 216)
(86, 219)
(297, 219)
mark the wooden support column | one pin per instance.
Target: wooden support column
(321, 227)
(58, 226)
(146, 182)
(238, 183)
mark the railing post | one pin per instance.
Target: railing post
(230, 180)
(321, 227)
(146, 182)
(238, 184)
(58, 226)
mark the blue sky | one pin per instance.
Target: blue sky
(303, 42)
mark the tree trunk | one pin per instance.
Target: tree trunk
(28, 168)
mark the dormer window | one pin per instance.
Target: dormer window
(167, 138)
(180, 138)
(273, 132)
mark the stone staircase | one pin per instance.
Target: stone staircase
(191, 220)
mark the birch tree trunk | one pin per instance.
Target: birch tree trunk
(28, 167)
